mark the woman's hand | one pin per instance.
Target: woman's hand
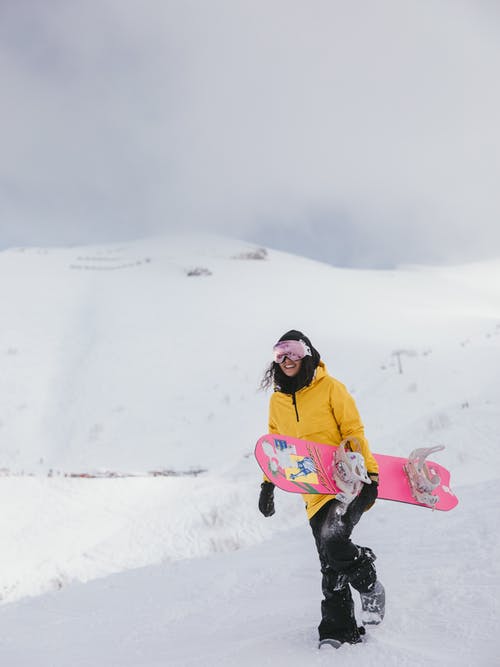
(369, 492)
(266, 498)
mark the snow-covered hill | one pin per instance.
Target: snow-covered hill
(260, 605)
(147, 356)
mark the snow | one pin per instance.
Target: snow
(115, 359)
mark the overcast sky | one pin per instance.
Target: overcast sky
(359, 132)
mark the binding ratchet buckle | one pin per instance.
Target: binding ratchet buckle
(422, 480)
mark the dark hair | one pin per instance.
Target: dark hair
(274, 376)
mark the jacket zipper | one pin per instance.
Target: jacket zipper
(294, 401)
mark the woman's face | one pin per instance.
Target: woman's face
(290, 368)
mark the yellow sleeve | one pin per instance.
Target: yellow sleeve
(272, 425)
(349, 422)
(272, 429)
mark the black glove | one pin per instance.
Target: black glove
(369, 492)
(266, 498)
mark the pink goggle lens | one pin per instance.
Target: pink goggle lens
(293, 349)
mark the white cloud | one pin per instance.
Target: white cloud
(376, 122)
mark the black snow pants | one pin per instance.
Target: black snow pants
(343, 564)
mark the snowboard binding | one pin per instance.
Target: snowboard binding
(349, 472)
(422, 479)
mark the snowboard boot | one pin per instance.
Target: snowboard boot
(373, 605)
(353, 637)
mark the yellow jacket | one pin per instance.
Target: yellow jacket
(323, 412)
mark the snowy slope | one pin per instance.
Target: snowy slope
(105, 348)
(115, 358)
(260, 605)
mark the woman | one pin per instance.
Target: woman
(308, 403)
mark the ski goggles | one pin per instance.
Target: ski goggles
(293, 349)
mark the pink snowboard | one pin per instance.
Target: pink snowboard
(302, 466)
